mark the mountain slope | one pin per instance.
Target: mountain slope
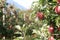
(16, 4)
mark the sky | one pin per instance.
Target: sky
(25, 3)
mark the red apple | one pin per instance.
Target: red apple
(51, 29)
(58, 1)
(40, 15)
(59, 28)
(57, 9)
(51, 38)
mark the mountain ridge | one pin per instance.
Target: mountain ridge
(12, 2)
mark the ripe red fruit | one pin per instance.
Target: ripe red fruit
(59, 28)
(51, 38)
(57, 9)
(51, 29)
(40, 15)
(58, 1)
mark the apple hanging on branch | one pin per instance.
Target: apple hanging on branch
(59, 28)
(51, 29)
(40, 15)
(51, 38)
(57, 10)
(58, 1)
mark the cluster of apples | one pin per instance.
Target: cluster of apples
(40, 15)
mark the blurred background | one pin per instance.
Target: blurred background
(30, 19)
